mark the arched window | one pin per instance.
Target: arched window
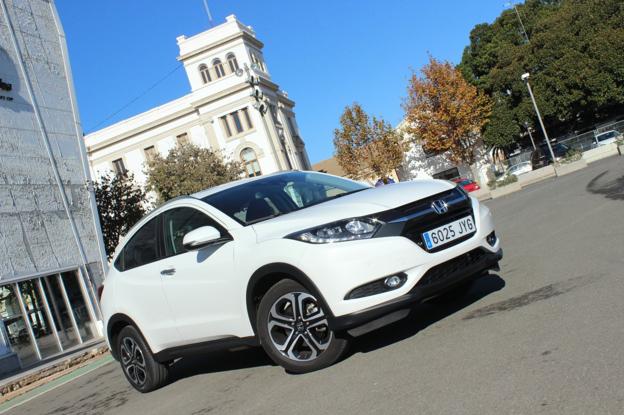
(218, 67)
(231, 59)
(205, 73)
(250, 161)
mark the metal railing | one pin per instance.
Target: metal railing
(587, 140)
(519, 158)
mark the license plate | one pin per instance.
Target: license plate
(449, 232)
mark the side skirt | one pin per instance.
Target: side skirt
(228, 343)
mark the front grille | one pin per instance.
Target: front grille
(448, 269)
(419, 217)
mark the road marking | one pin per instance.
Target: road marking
(60, 381)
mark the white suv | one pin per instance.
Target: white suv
(298, 262)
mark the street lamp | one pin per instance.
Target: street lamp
(528, 128)
(525, 78)
(262, 105)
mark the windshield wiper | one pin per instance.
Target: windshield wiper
(264, 218)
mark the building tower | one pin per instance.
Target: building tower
(220, 112)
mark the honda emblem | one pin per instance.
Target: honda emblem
(439, 206)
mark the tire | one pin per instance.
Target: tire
(298, 341)
(137, 362)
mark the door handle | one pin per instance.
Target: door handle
(168, 271)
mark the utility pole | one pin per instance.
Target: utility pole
(208, 13)
(526, 36)
(525, 78)
(261, 105)
(526, 124)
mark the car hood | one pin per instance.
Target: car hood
(362, 203)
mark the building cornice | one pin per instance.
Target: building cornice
(241, 35)
(141, 129)
(191, 108)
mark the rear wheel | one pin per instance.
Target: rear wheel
(143, 372)
(294, 330)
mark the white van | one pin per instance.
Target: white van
(608, 137)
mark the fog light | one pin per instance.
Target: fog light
(393, 281)
(379, 286)
(491, 238)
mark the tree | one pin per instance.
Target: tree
(121, 203)
(366, 146)
(444, 112)
(188, 169)
(503, 129)
(574, 55)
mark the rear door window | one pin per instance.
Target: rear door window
(142, 248)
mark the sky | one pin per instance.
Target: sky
(325, 54)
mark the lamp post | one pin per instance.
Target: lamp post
(525, 78)
(262, 106)
(526, 125)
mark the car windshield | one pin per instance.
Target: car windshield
(277, 195)
(465, 182)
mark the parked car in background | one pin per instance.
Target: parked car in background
(468, 184)
(519, 169)
(540, 157)
(608, 137)
(296, 262)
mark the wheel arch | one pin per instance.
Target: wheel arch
(267, 276)
(115, 324)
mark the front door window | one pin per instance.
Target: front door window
(177, 223)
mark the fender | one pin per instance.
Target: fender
(278, 269)
(112, 322)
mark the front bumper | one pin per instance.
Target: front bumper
(436, 281)
(336, 269)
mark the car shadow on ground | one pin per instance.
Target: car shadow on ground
(423, 315)
(612, 189)
(419, 318)
(214, 362)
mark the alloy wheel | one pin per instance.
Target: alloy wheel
(133, 361)
(298, 327)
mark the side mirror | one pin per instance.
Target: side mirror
(201, 237)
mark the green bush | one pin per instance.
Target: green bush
(571, 156)
(509, 179)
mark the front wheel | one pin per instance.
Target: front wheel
(294, 330)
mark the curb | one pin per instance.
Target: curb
(514, 187)
(16, 387)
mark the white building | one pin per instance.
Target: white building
(419, 164)
(218, 113)
(51, 248)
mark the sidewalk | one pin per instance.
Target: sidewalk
(548, 172)
(23, 382)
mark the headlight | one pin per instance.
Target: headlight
(346, 230)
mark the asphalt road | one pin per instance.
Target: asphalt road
(544, 335)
